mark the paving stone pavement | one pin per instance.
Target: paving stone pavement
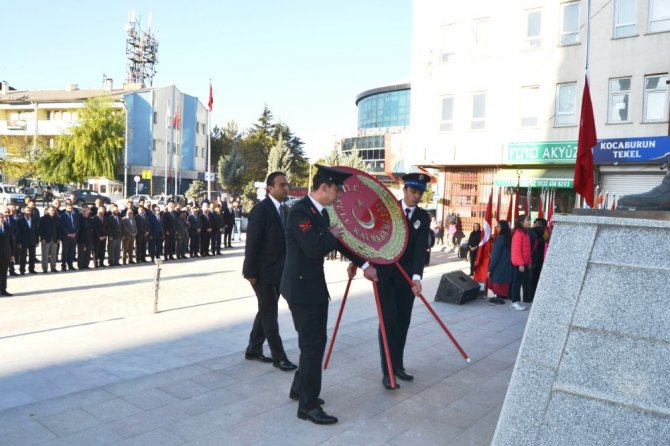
(85, 362)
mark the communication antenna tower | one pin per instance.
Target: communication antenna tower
(141, 51)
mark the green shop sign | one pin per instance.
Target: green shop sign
(543, 183)
(542, 152)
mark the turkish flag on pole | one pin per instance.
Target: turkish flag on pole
(550, 211)
(210, 103)
(528, 201)
(484, 250)
(584, 184)
(516, 207)
(498, 207)
(540, 205)
(509, 209)
(175, 121)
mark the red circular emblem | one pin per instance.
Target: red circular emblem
(375, 227)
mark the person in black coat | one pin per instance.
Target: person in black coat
(500, 271)
(473, 244)
(100, 236)
(169, 224)
(228, 224)
(11, 219)
(155, 233)
(114, 236)
(217, 229)
(6, 253)
(205, 230)
(309, 238)
(264, 254)
(49, 238)
(396, 295)
(84, 239)
(27, 240)
(142, 239)
(194, 232)
(69, 228)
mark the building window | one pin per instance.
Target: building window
(533, 29)
(478, 111)
(619, 96)
(625, 18)
(530, 106)
(570, 26)
(659, 16)
(655, 98)
(447, 43)
(566, 104)
(447, 120)
(153, 146)
(155, 118)
(482, 33)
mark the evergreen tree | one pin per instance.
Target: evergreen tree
(196, 190)
(231, 171)
(353, 159)
(280, 158)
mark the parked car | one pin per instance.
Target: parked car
(81, 197)
(148, 201)
(36, 193)
(11, 195)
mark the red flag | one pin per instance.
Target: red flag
(540, 211)
(600, 200)
(528, 202)
(498, 207)
(175, 120)
(210, 103)
(550, 212)
(484, 250)
(509, 209)
(614, 202)
(584, 185)
(516, 207)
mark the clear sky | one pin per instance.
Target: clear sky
(306, 59)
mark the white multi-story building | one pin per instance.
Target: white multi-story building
(166, 129)
(497, 89)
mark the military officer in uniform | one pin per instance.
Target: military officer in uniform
(264, 254)
(395, 294)
(309, 238)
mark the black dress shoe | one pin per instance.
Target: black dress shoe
(403, 374)
(257, 356)
(386, 381)
(285, 365)
(317, 416)
(5, 293)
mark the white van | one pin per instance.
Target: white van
(11, 195)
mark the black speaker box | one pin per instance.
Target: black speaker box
(456, 288)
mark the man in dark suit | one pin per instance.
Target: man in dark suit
(228, 223)
(114, 236)
(217, 229)
(10, 219)
(100, 236)
(169, 225)
(142, 234)
(49, 238)
(309, 238)
(205, 230)
(264, 254)
(69, 227)
(155, 233)
(26, 240)
(6, 252)
(84, 239)
(194, 232)
(395, 294)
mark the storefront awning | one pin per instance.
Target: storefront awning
(542, 178)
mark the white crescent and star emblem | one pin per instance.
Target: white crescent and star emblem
(417, 224)
(370, 224)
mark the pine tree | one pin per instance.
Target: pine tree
(231, 170)
(280, 158)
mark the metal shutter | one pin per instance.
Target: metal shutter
(624, 184)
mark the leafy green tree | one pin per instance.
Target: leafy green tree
(353, 159)
(92, 148)
(231, 170)
(22, 155)
(280, 158)
(196, 190)
(299, 165)
(428, 195)
(223, 140)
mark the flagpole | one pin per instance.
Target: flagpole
(167, 150)
(176, 150)
(208, 170)
(588, 33)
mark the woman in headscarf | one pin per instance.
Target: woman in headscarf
(500, 264)
(473, 244)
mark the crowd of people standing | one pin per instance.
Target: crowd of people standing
(140, 233)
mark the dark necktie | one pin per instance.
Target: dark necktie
(282, 215)
(408, 211)
(324, 212)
